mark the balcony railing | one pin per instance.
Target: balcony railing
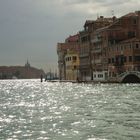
(84, 55)
(97, 61)
(96, 40)
(96, 50)
(118, 64)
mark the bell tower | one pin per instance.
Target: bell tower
(27, 65)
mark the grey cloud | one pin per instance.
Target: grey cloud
(32, 28)
(76, 1)
(95, 1)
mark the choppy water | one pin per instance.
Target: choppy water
(65, 111)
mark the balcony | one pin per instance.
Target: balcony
(84, 55)
(96, 50)
(97, 61)
(119, 64)
(96, 40)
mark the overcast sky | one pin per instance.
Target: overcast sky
(30, 29)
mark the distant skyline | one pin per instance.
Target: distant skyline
(31, 29)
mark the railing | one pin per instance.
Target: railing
(84, 55)
(96, 50)
(96, 40)
(97, 61)
(118, 64)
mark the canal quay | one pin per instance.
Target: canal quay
(30, 109)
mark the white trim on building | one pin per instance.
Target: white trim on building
(100, 75)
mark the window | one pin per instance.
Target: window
(100, 75)
(68, 58)
(125, 59)
(130, 58)
(74, 58)
(109, 61)
(112, 60)
(131, 34)
(119, 22)
(74, 67)
(116, 59)
(117, 48)
(134, 21)
(137, 46)
(130, 46)
(137, 58)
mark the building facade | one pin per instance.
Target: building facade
(99, 55)
(123, 45)
(71, 44)
(72, 65)
(85, 66)
(108, 47)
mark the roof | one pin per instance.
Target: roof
(88, 22)
(130, 40)
(101, 29)
(101, 18)
(132, 14)
(73, 38)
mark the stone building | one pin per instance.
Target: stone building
(90, 57)
(124, 45)
(124, 56)
(72, 65)
(109, 51)
(99, 55)
(108, 48)
(70, 44)
(84, 68)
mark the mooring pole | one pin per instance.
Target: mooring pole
(41, 78)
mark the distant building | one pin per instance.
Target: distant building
(20, 72)
(27, 65)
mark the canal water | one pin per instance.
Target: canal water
(33, 110)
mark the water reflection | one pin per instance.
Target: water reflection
(60, 111)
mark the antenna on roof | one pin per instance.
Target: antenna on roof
(112, 12)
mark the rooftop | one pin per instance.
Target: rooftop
(73, 38)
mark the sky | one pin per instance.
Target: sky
(31, 29)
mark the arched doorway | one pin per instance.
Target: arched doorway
(131, 78)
